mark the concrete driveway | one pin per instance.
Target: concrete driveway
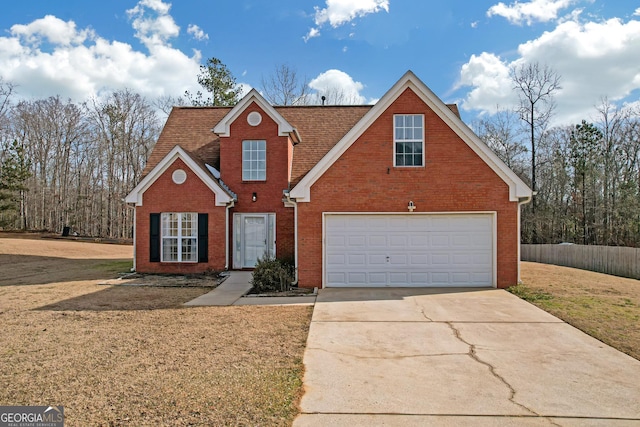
(414, 357)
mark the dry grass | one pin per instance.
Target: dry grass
(123, 355)
(606, 307)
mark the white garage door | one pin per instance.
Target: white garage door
(409, 250)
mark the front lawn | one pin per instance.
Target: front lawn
(134, 356)
(606, 307)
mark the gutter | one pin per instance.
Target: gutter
(135, 212)
(293, 203)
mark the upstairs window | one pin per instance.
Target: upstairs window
(408, 134)
(179, 237)
(254, 160)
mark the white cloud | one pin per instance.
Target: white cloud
(54, 30)
(313, 32)
(78, 64)
(338, 87)
(340, 12)
(197, 32)
(488, 75)
(530, 12)
(637, 12)
(594, 59)
(152, 22)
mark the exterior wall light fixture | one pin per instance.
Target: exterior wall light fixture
(411, 206)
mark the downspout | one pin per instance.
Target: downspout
(295, 235)
(230, 205)
(521, 201)
(135, 212)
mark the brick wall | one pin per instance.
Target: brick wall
(269, 192)
(364, 179)
(191, 196)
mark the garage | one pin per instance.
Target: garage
(412, 250)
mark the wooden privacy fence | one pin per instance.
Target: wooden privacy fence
(616, 260)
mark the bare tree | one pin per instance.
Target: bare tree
(501, 134)
(166, 102)
(535, 85)
(126, 127)
(284, 87)
(6, 91)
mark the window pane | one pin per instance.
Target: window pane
(189, 250)
(254, 160)
(409, 141)
(170, 250)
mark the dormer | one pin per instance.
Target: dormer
(256, 143)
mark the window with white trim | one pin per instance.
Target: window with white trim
(179, 233)
(408, 138)
(254, 160)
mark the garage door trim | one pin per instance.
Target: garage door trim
(494, 237)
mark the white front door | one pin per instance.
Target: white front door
(254, 238)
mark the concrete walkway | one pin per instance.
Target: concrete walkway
(234, 289)
(414, 357)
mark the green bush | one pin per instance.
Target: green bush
(272, 275)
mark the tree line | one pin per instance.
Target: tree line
(66, 164)
(586, 175)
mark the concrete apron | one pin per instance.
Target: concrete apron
(405, 357)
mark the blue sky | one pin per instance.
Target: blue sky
(461, 49)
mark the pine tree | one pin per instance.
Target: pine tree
(14, 172)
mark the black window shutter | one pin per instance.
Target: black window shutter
(154, 237)
(203, 237)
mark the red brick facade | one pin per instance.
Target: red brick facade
(192, 196)
(363, 179)
(268, 192)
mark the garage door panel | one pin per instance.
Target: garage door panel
(419, 240)
(440, 240)
(337, 259)
(377, 259)
(357, 241)
(409, 250)
(399, 240)
(357, 259)
(338, 240)
(378, 241)
(419, 259)
(377, 279)
(440, 259)
(399, 278)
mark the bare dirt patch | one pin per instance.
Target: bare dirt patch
(606, 307)
(133, 355)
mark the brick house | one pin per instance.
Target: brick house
(401, 193)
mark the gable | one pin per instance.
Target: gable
(517, 188)
(222, 196)
(223, 127)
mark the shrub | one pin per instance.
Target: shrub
(272, 275)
